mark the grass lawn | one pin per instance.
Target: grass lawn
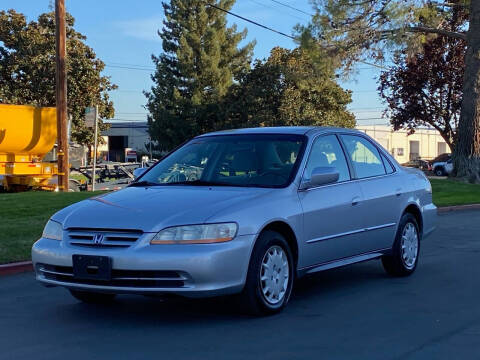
(23, 216)
(450, 192)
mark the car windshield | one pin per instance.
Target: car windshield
(231, 160)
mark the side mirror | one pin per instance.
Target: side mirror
(321, 176)
(138, 172)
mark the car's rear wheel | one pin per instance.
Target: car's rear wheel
(92, 297)
(440, 171)
(270, 276)
(406, 249)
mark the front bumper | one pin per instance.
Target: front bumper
(188, 270)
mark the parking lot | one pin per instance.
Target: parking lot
(350, 313)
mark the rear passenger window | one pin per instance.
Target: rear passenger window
(388, 166)
(364, 156)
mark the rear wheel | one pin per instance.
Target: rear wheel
(92, 297)
(439, 171)
(270, 276)
(406, 248)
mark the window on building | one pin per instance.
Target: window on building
(441, 147)
(414, 150)
(399, 151)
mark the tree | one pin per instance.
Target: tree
(199, 63)
(426, 88)
(351, 31)
(27, 69)
(287, 90)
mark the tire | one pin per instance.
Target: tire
(73, 186)
(92, 297)
(439, 171)
(408, 233)
(257, 298)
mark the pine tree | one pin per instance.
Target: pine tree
(200, 60)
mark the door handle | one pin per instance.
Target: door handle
(398, 192)
(355, 200)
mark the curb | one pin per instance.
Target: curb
(445, 209)
(16, 268)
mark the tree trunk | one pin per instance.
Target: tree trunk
(467, 150)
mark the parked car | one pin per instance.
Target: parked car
(419, 164)
(268, 206)
(443, 168)
(441, 158)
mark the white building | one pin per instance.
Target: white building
(424, 143)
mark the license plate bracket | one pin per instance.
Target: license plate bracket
(92, 267)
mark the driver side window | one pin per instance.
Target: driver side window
(327, 152)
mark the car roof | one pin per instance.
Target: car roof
(293, 130)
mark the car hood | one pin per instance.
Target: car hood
(151, 209)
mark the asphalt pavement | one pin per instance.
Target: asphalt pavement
(356, 312)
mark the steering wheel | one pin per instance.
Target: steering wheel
(226, 167)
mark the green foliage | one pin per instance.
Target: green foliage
(200, 61)
(345, 31)
(287, 89)
(27, 69)
(426, 88)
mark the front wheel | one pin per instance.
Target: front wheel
(270, 276)
(406, 248)
(92, 297)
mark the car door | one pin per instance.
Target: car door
(381, 189)
(331, 213)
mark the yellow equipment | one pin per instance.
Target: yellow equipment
(27, 133)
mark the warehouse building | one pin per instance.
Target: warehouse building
(425, 143)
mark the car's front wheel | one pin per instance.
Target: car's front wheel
(406, 248)
(270, 275)
(92, 297)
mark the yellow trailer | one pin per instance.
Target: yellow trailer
(27, 134)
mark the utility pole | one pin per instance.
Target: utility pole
(61, 96)
(94, 171)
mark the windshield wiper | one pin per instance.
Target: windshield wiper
(199, 183)
(143, 183)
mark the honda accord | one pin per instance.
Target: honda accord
(242, 212)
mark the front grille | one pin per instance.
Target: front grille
(109, 238)
(120, 278)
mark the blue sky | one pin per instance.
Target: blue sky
(124, 34)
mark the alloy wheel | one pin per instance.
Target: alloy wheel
(409, 244)
(274, 275)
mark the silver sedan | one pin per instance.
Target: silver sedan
(242, 212)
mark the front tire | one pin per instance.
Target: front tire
(406, 248)
(270, 276)
(92, 297)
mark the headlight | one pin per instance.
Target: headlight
(53, 230)
(196, 234)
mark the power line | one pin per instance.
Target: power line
(130, 64)
(129, 67)
(276, 9)
(291, 7)
(250, 21)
